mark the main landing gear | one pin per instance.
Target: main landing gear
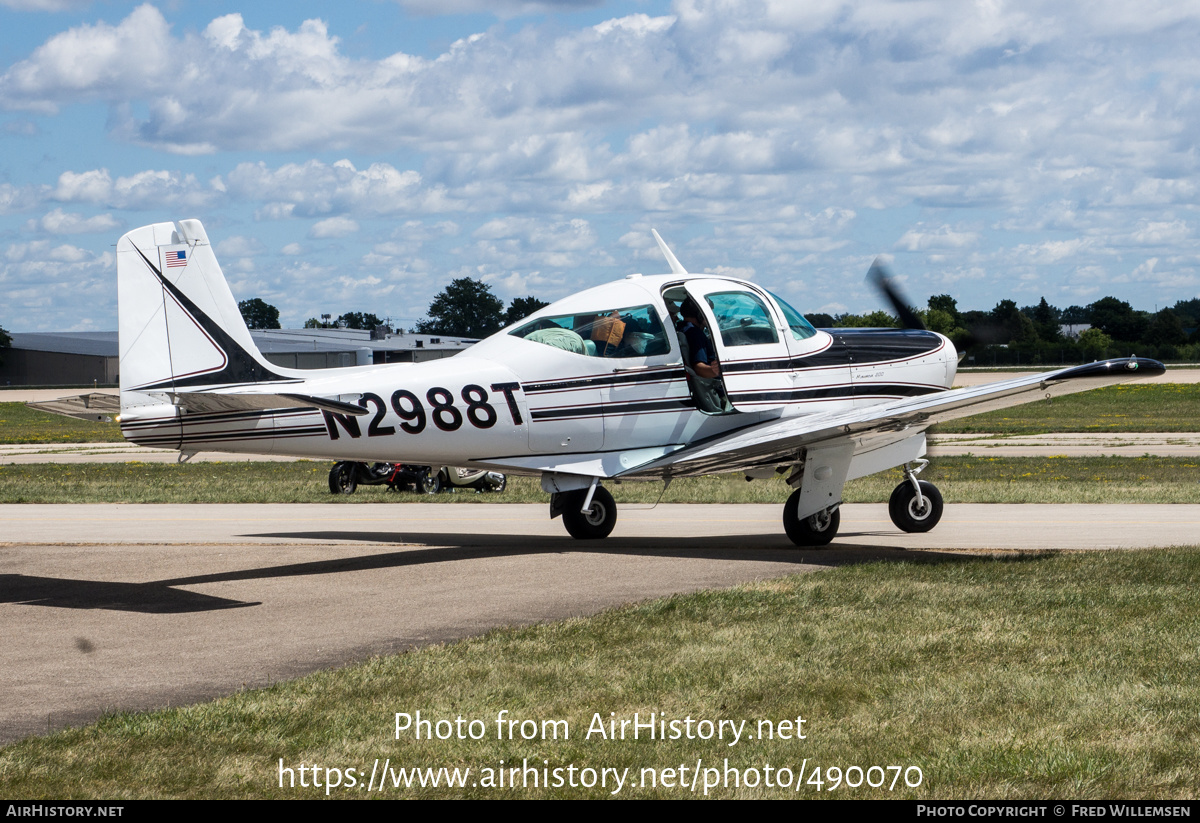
(915, 505)
(815, 531)
(586, 521)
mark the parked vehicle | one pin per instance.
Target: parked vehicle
(348, 475)
(453, 477)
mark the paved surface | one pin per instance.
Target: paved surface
(125, 606)
(121, 453)
(1086, 444)
(974, 378)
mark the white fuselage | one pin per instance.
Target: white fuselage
(510, 402)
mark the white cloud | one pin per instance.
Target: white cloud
(315, 188)
(43, 5)
(333, 227)
(60, 222)
(942, 237)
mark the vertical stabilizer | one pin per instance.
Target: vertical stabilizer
(180, 327)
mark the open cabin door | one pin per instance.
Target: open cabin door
(754, 357)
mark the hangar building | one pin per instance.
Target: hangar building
(91, 358)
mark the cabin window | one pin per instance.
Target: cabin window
(632, 332)
(801, 328)
(742, 318)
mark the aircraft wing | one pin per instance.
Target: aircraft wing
(779, 441)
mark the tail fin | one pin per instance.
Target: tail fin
(180, 327)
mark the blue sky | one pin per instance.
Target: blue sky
(360, 156)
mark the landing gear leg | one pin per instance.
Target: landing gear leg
(916, 505)
(815, 531)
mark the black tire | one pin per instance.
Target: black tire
(595, 526)
(902, 507)
(816, 531)
(342, 479)
(430, 483)
(502, 485)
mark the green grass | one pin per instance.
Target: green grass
(961, 479)
(1136, 407)
(1065, 676)
(21, 424)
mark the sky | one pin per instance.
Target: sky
(360, 156)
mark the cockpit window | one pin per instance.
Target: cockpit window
(743, 318)
(801, 328)
(634, 332)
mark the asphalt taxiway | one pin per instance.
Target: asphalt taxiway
(139, 606)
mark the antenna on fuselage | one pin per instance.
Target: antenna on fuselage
(671, 260)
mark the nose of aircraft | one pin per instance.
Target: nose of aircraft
(951, 355)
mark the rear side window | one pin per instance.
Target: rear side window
(631, 332)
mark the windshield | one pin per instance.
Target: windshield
(801, 328)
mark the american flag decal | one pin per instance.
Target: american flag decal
(175, 259)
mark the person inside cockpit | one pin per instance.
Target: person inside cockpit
(702, 358)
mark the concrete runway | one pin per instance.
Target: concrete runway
(133, 607)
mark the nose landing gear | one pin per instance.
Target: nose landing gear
(915, 505)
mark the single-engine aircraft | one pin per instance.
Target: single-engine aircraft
(597, 386)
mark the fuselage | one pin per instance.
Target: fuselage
(600, 372)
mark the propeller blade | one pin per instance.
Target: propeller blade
(881, 279)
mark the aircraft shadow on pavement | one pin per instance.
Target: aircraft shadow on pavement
(150, 598)
(163, 596)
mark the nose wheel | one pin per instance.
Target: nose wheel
(913, 512)
(815, 531)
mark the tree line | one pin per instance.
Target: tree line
(465, 308)
(1009, 334)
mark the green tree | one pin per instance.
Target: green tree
(1118, 320)
(946, 303)
(1045, 320)
(5, 342)
(1095, 342)
(522, 307)
(358, 320)
(1165, 329)
(259, 314)
(1012, 325)
(1188, 312)
(466, 308)
(878, 319)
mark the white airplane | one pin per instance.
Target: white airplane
(598, 386)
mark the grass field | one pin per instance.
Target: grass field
(961, 479)
(1136, 407)
(1062, 676)
(21, 424)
